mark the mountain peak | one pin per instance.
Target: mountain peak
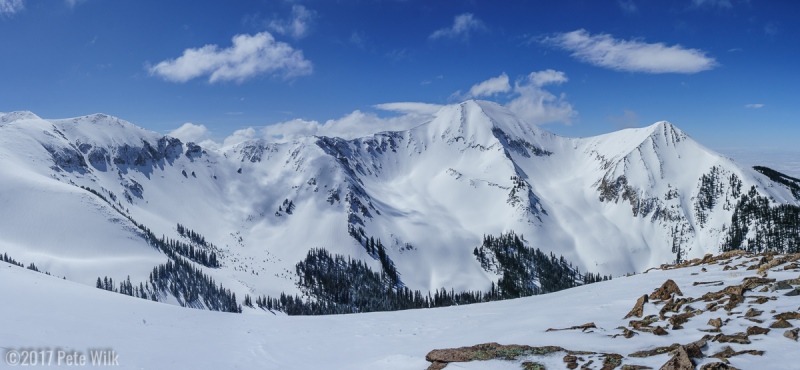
(669, 133)
(479, 122)
(17, 116)
(102, 128)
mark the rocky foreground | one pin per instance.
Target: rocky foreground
(733, 307)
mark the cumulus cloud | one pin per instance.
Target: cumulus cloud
(547, 77)
(354, 125)
(463, 25)
(754, 106)
(491, 87)
(297, 25)
(189, 132)
(538, 106)
(11, 6)
(527, 98)
(240, 136)
(632, 56)
(248, 57)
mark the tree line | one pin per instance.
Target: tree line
(757, 226)
(336, 284)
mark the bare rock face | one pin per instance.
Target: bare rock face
(752, 312)
(728, 352)
(781, 324)
(738, 338)
(792, 334)
(666, 290)
(638, 308)
(695, 349)
(571, 361)
(756, 330)
(439, 358)
(680, 361)
(791, 315)
(754, 281)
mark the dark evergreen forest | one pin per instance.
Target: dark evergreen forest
(335, 284)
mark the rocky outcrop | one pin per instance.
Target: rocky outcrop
(666, 291)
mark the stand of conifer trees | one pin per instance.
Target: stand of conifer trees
(757, 226)
(335, 284)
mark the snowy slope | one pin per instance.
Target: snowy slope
(613, 204)
(149, 335)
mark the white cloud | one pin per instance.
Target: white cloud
(492, 86)
(248, 57)
(11, 6)
(354, 125)
(632, 56)
(189, 132)
(754, 106)
(527, 98)
(290, 130)
(240, 136)
(462, 26)
(547, 77)
(359, 124)
(539, 106)
(298, 25)
(409, 107)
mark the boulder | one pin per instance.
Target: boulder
(781, 324)
(660, 331)
(666, 291)
(792, 334)
(756, 330)
(638, 308)
(680, 361)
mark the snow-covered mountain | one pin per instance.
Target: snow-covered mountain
(77, 194)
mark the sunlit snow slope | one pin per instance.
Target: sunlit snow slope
(149, 335)
(615, 203)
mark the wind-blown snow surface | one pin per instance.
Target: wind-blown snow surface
(45, 312)
(612, 204)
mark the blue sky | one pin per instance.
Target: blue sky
(724, 71)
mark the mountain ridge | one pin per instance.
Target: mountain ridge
(616, 203)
